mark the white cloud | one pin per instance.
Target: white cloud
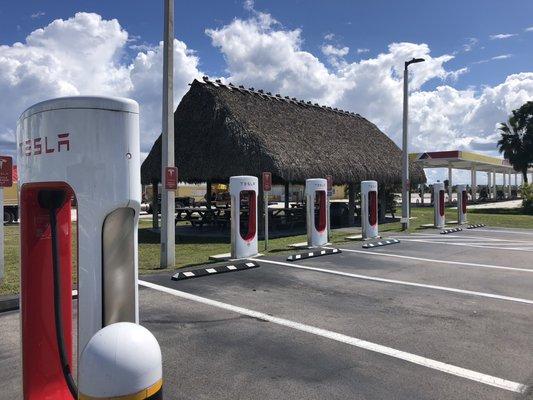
(329, 36)
(454, 75)
(495, 58)
(470, 44)
(272, 58)
(255, 52)
(141, 47)
(85, 55)
(529, 29)
(248, 5)
(502, 57)
(361, 51)
(330, 50)
(500, 36)
(146, 81)
(38, 14)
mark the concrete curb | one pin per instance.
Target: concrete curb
(379, 242)
(9, 302)
(207, 270)
(310, 254)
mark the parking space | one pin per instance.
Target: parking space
(425, 318)
(480, 238)
(479, 246)
(472, 313)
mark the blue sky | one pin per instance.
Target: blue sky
(346, 54)
(446, 26)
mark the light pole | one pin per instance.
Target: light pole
(405, 147)
(167, 259)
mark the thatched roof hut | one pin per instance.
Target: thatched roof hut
(224, 130)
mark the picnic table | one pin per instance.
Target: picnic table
(221, 216)
(290, 216)
(200, 216)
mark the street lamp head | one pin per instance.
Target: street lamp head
(413, 61)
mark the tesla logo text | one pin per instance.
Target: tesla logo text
(45, 145)
(249, 184)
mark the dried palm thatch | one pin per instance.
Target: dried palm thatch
(224, 130)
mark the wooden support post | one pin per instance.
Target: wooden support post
(208, 194)
(287, 194)
(287, 200)
(351, 204)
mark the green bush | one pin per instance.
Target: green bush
(527, 198)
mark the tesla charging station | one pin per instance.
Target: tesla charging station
(438, 203)
(243, 191)
(317, 216)
(369, 209)
(462, 200)
(82, 149)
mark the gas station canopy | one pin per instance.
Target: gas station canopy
(458, 159)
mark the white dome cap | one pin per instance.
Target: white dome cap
(121, 359)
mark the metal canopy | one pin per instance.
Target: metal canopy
(458, 159)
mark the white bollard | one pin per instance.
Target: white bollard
(462, 200)
(317, 215)
(369, 209)
(243, 238)
(438, 203)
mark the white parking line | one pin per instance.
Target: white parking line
(442, 237)
(432, 260)
(467, 237)
(466, 244)
(352, 341)
(510, 246)
(477, 243)
(397, 282)
(455, 239)
(506, 231)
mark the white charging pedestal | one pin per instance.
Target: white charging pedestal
(86, 148)
(369, 209)
(243, 192)
(438, 204)
(317, 223)
(462, 200)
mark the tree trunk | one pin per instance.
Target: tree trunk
(524, 175)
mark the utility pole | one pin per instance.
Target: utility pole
(405, 146)
(168, 233)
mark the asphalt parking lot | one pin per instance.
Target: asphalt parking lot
(434, 317)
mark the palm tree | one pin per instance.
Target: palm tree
(515, 146)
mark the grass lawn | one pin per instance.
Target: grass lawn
(192, 253)
(10, 283)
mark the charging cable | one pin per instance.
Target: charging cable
(52, 200)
